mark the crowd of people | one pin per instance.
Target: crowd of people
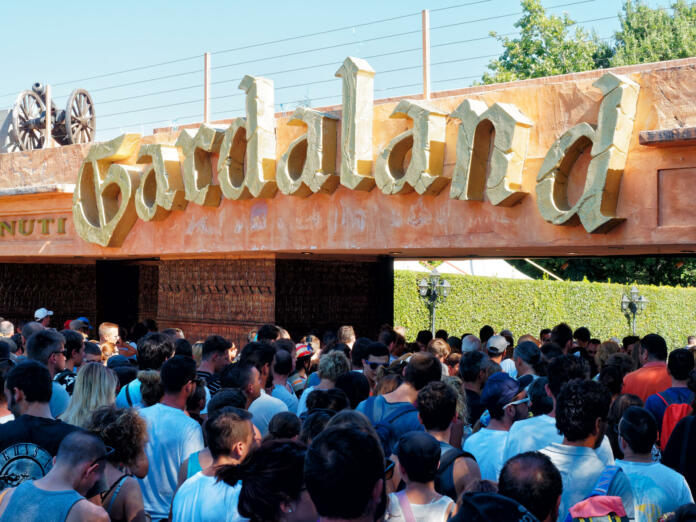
(146, 425)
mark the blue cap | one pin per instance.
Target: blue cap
(85, 320)
(499, 390)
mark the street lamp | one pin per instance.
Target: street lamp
(433, 291)
(632, 305)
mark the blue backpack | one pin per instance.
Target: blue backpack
(384, 427)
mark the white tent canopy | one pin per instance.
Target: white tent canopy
(473, 267)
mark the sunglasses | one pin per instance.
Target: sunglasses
(389, 470)
(375, 365)
(105, 456)
(64, 352)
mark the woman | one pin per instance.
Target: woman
(126, 432)
(95, 386)
(273, 487)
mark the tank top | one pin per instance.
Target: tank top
(29, 504)
(433, 512)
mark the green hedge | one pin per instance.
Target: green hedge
(525, 306)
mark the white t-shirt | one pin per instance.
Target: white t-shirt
(263, 409)
(434, 512)
(172, 437)
(508, 366)
(302, 405)
(6, 418)
(657, 489)
(204, 499)
(580, 467)
(487, 446)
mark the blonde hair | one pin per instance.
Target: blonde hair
(606, 350)
(197, 351)
(95, 386)
(439, 348)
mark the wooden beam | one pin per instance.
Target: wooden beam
(668, 137)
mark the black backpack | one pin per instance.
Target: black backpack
(444, 479)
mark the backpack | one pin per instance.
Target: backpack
(598, 506)
(384, 427)
(673, 414)
(444, 478)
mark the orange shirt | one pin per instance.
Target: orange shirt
(651, 378)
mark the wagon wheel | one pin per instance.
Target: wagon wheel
(27, 117)
(80, 120)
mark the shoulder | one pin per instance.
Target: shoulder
(84, 510)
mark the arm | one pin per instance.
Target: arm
(183, 471)
(133, 506)
(466, 472)
(85, 511)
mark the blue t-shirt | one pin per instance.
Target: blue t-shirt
(381, 409)
(657, 406)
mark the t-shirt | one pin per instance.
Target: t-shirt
(290, 400)
(59, 400)
(192, 502)
(486, 445)
(651, 378)
(172, 437)
(435, 511)
(508, 366)
(313, 379)
(377, 409)
(132, 391)
(263, 409)
(302, 403)
(680, 453)
(580, 467)
(212, 382)
(27, 447)
(297, 382)
(674, 395)
(473, 402)
(657, 489)
(66, 379)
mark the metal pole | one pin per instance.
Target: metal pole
(206, 88)
(633, 323)
(48, 130)
(432, 317)
(426, 54)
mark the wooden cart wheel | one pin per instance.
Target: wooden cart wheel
(80, 119)
(27, 117)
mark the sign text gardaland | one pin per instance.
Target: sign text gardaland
(122, 180)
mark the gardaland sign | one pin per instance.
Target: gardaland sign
(124, 179)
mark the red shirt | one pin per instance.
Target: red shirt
(651, 378)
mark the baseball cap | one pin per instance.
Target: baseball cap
(86, 321)
(500, 389)
(482, 507)
(496, 345)
(42, 313)
(303, 350)
(117, 360)
(528, 352)
(76, 324)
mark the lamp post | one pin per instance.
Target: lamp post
(433, 290)
(632, 305)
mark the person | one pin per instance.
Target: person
(344, 474)
(470, 343)
(282, 368)
(43, 316)
(680, 452)
(437, 408)
(331, 367)
(346, 335)
(527, 359)
(244, 377)
(507, 403)
(680, 363)
(75, 351)
(82, 326)
(440, 349)
(284, 425)
(108, 339)
(95, 386)
(593, 347)
(48, 348)
(92, 352)
(628, 343)
(531, 479)
(355, 386)
(230, 436)
(31, 440)
(60, 495)
(377, 357)
(303, 361)
(126, 432)
(264, 407)
(657, 489)
(358, 353)
(419, 456)
(581, 412)
(215, 355)
(540, 403)
(562, 335)
(172, 435)
(153, 350)
(545, 335)
(472, 371)
(652, 377)
(5, 414)
(495, 348)
(581, 337)
(7, 329)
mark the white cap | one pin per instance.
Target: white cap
(41, 313)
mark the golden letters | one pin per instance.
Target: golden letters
(122, 179)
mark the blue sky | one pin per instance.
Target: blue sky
(70, 43)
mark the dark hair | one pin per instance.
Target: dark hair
(616, 410)
(531, 479)
(655, 345)
(424, 337)
(356, 387)
(421, 369)
(543, 332)
(33, 379)
(563, 369)
(151, 325)
(386, 337)
(561, 335)
(377, 350)
(638, 428)
(314, 424)
(284, 344)
(270, 476)
(225, 428)
(282, 364)
(611, 376)
(629, 340)
(236, 375)
(214, 344)
(550, 351)
(338, 400)
(471, 364)
(258, 354)
(92, 348)
(121, 428)
(595, 341)
(74, 341)
(196, 401)
(284, 425)
(153, 349)
(138, 331)
(268, 332)
(680, 363)
(176, 373)
(42, 344)
(233, 397)
(540, 402)
(582, 334)
(455, 343)
(31, 328)
(485, 333)
(360, 351)
(172, 333)
(125, 374)
(317, 399)
(420, 459)
(578, 406)
(342, 467)
(78, 447)
(441, 334)
(622, 361)
(437, 405)
(183, 347)
(339, 347)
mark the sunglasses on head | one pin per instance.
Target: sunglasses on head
(375, 365)
(105, 456)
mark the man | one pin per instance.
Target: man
(153, 350)
(282, 368)
(396, 408)
(526, 357)
(108, 339)
(359, 353)
(545, 335)
(48, 348)
(562, 335)
(506, 402)
(30, 329)
(344, 474)
(652, 377)
(43, 316)
(657, 489)
(82, 326)
(230, 436)
(628, 343)
(346, 335)
(470, 343)
(680, 363)
(74, 349)
(592, 347)
(437, 408)
(172, 435)
(6, 329)
(485, 333)
(581, 337)
(245, 377)
(496, 348)
(215, 355)
(532, 480)
(28, 443)
(268, 333)
(377, 357)
(92, 353)
(79, 464)
(581, 412)
(472, 371)
(387, 337)
(690, 341)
